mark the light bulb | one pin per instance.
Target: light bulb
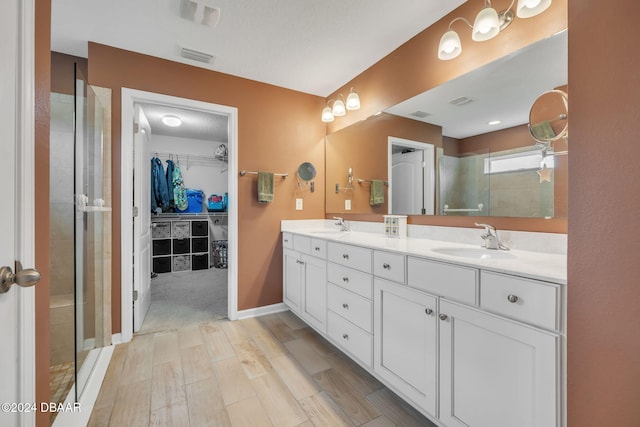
(529, 8)
(450, 46)
(327, 115)
(486, 26)
(353, 101)
(339, 108)
(171, 121)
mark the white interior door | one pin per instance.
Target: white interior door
(141, 221)
(17, 328)
(407, 183)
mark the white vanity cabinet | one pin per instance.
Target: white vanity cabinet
(495, 372)
(405, 342)
(305, 278)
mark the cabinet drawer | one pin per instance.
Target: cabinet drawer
(161, 247)
(181, 246)
(531, 301)
(319, 248)
(287, 240)
(162, 264)
(200, 262)
(389, 266)
(199, 228)
(181, 263)
(353, 280)
(450, 281)
(302, 243)
(350, 338)
(350, 256)
(353, 307)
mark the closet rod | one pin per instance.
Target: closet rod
(187, 156)
(243, 173)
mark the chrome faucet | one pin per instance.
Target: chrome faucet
(490, 237)
(340, 221)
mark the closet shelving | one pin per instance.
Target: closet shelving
(188, 159)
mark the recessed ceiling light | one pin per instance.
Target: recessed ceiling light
(171, 121)
(494, 122)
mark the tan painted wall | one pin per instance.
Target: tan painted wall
(604, 202)
(42, 81)
(278, 130)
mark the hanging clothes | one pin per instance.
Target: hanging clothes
(169, 178)
(179, 192)
(159, 189)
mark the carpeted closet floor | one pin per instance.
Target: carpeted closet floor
(179, 299)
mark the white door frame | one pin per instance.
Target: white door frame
(18, 60)
(129, 98)
(429, 150)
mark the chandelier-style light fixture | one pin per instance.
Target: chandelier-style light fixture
(488, 24)
(340, 107)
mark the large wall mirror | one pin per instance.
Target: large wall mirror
(472, 137)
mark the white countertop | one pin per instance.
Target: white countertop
(534, 265)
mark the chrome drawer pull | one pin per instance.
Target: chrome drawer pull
(345, 256)
(386, 266)
(345, 279)
(317, 248)
(512, 298)
(286, 240)
(428, 311)
(443, 317)
(345, 306)
(345, 336)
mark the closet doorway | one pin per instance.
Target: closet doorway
(179, 212)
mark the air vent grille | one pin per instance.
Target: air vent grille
(420, 114)
(461, 100)
(194, 55)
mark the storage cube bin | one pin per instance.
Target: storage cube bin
(162, 264)
(182, 263)
(180, 229)
(200, 262)
(161, 247)
(161, 230)
(181, 246)
(199, 244)
(199, 228)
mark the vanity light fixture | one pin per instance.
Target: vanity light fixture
(339, 107)
(171, 121)
(488, 24)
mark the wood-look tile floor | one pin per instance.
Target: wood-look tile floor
(266, 371)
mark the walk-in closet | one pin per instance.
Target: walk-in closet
(181, 226)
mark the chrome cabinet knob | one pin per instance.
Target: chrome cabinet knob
(345, 279)
(345, 336)
(345, 256)
(317, 248)
(512, 298)
(345, 306)
(443, 317)
(386, 266)
(428, 311)
(22, 277)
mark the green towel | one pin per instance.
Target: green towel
(542, 130)
(377, 192)
(265, 187)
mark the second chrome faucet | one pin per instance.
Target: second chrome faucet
(490, 237)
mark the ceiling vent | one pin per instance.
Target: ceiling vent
(460, 101)
(194, 55)
(420, 114)
(198, 12)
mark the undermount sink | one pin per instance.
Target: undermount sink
(477, 253)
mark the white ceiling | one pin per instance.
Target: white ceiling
(502, 90)
(312, 46)
(195, 124)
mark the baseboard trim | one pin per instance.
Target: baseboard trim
(261, 311)
(79, 416)
(116, 339)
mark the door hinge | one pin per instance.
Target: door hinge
(135, 212)
(135, 295)
(424, 164)
(424, 211)
(136, 128)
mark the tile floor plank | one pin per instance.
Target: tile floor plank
(397, 410)
(139, 361)
(234, 384)
(132, 405)
(196, 364)
(254, 363)
(291, 320)
(190, 336)
(298, 381)
(109, 388)
(304, 353)
(283, 409)
(176, 415)
(278, 327)
(217, 343)
(248, 413)
(167, 384)
(206, 407)
(166, 347)
(323, 411)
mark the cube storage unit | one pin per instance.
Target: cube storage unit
(180, 244)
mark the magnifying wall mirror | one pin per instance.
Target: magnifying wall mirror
(306, 172)
(549, 117)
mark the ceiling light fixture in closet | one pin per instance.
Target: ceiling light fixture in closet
(171, 121)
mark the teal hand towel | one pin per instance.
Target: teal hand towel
(265, 187)
(377, 192)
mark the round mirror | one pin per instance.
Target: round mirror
(549, 117)
(306, 171)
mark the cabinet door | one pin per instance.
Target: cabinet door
(314, 294)
(495, 372)
(292, 280)
(405, 342)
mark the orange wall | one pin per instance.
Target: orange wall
(414, 68)
(42, 107)
(604, 202)
(62, 77)
(359, 147)
(278, 129)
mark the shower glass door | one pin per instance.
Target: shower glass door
(92, 189)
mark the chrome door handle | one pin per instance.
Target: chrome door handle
(443, 317)
(512, 298)
(386, 266)
(428, 311)
(22, 277)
